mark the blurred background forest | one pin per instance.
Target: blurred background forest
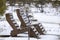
(55, 3)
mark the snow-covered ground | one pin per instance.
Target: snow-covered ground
(49, 19)
(43, 37)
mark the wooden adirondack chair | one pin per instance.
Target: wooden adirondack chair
(14, 25)
(38, 26)
(16, 31)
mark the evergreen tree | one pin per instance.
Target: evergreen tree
(2, 6)
(56, 3)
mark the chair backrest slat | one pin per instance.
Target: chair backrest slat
(11, 21)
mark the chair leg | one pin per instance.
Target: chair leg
(32, 33)
(13, 33)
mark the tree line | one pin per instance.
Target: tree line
(12, 2)
(2, 6)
